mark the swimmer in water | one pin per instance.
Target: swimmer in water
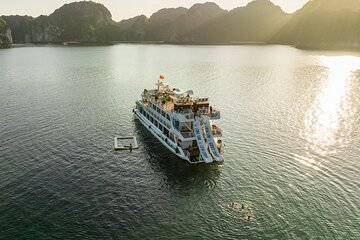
(248, 217)
(237, 205)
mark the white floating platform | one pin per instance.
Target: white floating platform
(123, 143)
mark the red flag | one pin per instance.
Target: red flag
(162, 77)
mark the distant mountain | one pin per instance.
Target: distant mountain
(5, 34)
(331, 5)
(160, 25)
(207, 23)
(318, 24)
(196, 17)
(168, 24)
(133, 29)
(78, 21)
(84, 21)
(256, 22)
(323, 24)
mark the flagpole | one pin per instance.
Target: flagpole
(158, 85)
(160, 78)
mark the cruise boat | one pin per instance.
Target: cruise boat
(184, 124)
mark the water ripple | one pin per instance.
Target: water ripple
(291, 129)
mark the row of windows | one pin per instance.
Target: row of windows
(160, 111)
(162, 121)
(153, 121)
(164, 129)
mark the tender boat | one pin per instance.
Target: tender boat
(184, 124)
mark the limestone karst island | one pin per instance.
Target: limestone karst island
(317, 25)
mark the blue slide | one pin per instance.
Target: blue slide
(201, 143)
(210, 138)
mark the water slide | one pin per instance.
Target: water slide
(210, 138)
(201, 143)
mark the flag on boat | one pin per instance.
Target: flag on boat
(162, 77)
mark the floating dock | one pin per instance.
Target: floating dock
(123, 142)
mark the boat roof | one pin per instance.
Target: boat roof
(166, 94)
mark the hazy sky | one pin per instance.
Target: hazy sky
(122, 9)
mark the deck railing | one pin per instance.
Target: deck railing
(187, 134)
(187, 113)
(159, 118)
(214, 114)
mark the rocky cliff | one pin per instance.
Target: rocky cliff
(133, 29)
(323, 24)
(78, 21)
(20, 27)
(195, 18)
(318, 24)
(207, 23)
(168, 24)
(84, 21)
(5, 34)
(45, 30)
(258, 21)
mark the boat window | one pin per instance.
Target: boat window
(168, 117)
(172, 137)
(176, 124)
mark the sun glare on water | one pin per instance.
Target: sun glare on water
(329, 120)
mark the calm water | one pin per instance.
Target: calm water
(292, 131)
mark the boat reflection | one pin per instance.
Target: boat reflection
(179, 174)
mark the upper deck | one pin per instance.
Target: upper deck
(171, 99)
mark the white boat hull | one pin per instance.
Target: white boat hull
(159, 135)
